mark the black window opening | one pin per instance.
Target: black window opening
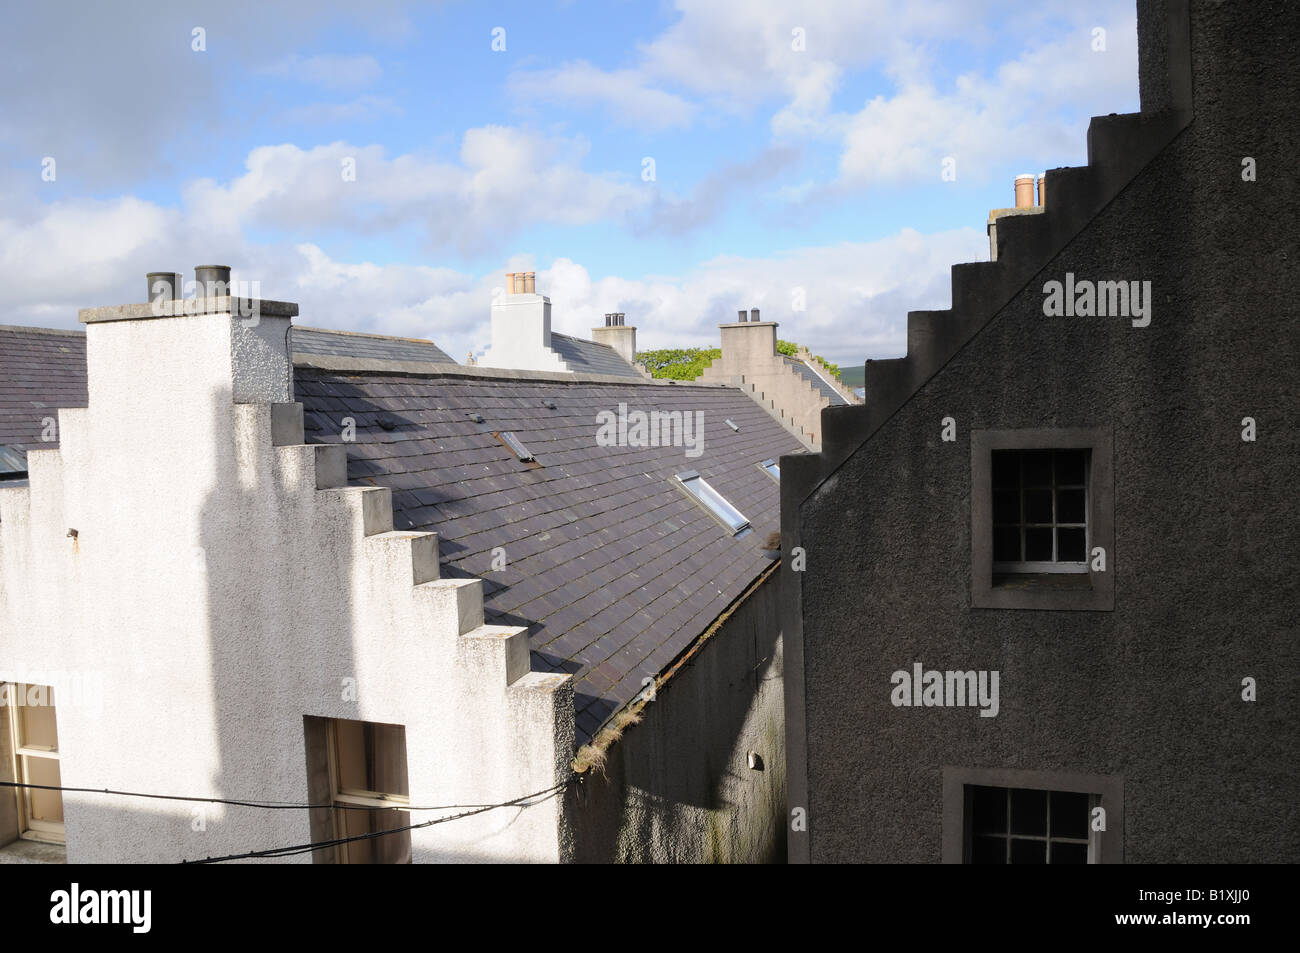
(1040, 511)
(1028, 826)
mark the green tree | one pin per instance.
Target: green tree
(679, 364)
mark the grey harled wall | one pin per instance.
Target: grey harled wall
(677, 787)
(1206, 544)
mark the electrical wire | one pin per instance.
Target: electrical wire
(264, 805)
(294, 849)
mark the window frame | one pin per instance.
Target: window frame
(685, 478)
(1105, 791)
(767, 466)
(30, 828)
(353, 798)
(1053, 590)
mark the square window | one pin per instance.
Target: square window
(1012, 816)
(1041, 504)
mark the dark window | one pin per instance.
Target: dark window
(1040, 511)
(1026, 826)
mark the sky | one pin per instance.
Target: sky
(385, 164)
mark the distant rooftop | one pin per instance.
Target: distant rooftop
(820, 384)
(588, 357)
(382, 347)
(41, 370)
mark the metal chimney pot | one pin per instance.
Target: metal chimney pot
(753, 314)
(163, 286)
(212, 280)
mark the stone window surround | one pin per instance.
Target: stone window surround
(1109, 789)
(1100, 593)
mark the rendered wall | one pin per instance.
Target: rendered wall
(216, 596)
(750, 361)
(677, 788)
(1205, 530)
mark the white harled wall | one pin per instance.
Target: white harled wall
(213, 596)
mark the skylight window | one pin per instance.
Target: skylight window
(773, 469)
(714, 502)
(516, 446)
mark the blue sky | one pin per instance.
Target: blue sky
(797, 154)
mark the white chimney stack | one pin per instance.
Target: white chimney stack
(521, 327)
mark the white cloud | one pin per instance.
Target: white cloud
(87, 253)
(361, 109)
(506, 179)
(627, 95)
(984, 121)
(335, 71)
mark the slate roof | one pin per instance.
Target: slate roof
(818, 383)
(306, 340)
(41, 370)
(588, 357)
(612, 565)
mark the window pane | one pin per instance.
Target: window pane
(1071, 467)
(1070, 506)
(1038, 468)
(715, 501)
(43, 805)
(371, 757)
(1006, 506)
(1028, 851)
(1069, 853)
(389, 849)
(1028, 812)
(1038, 506)
(988, 850)
(36, 727)
(1006, 469)
(1070, 545)
(1006, 544)
(1069, 815)
(1038, 545)
(989, 810)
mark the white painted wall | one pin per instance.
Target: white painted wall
(216, 596)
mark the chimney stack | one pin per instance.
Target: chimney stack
(521, 328)
(617, 335)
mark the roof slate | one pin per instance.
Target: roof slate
(40, 370)
(820, 385)
(614, 568)
(379, 346)
(591, 358)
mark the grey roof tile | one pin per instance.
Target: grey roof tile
(612, 567)
(41, 370)
(588, 357)
(382, 347)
